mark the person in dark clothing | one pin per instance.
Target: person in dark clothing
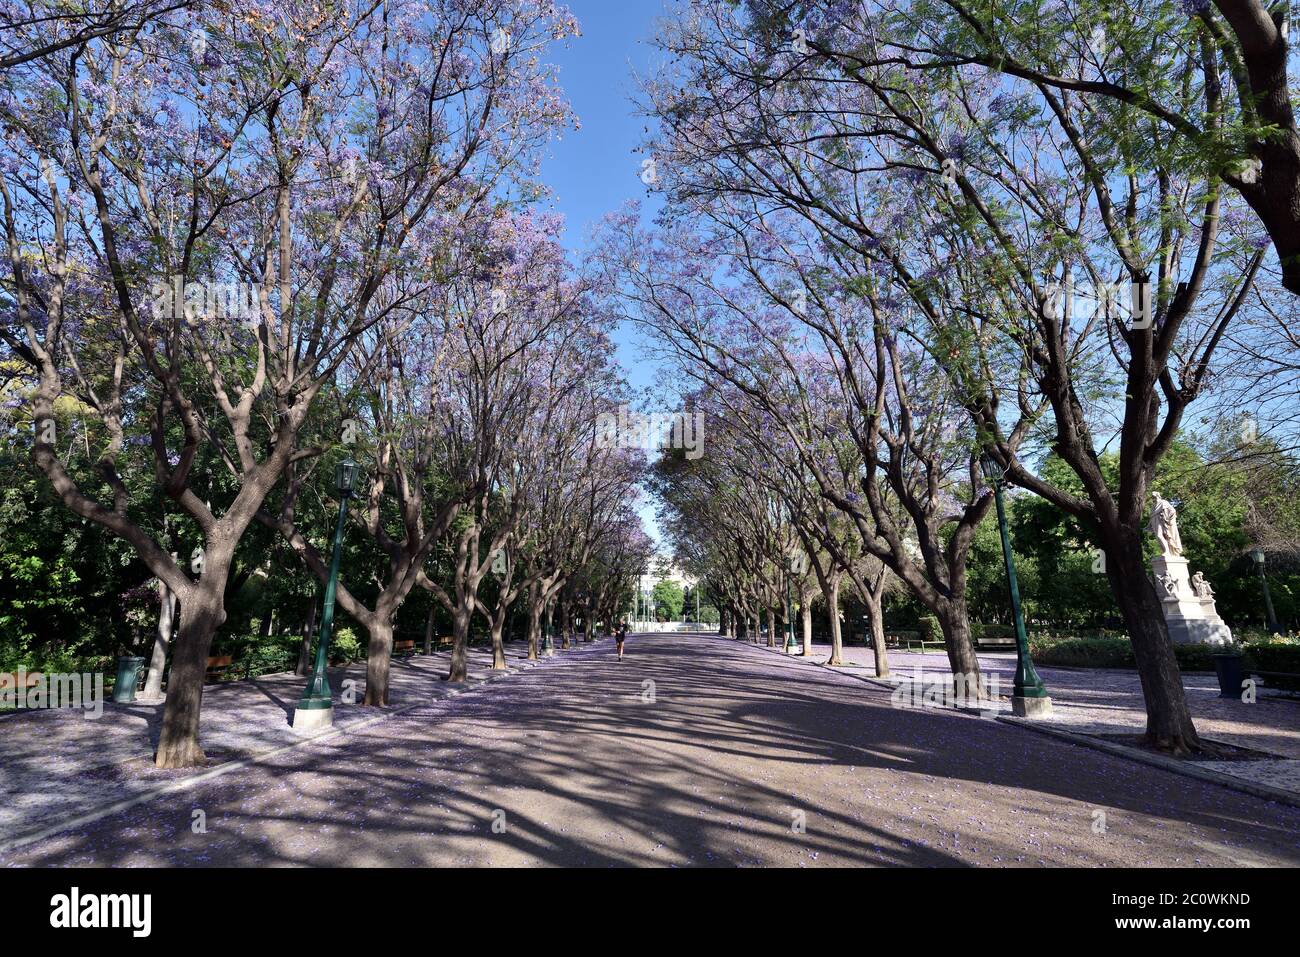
(620, 636)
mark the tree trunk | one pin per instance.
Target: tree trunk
(304, 647)
(534, 629)
(498, 643)
(832, 596)
(379, 658)
(201, 616)
(955, 623)
(1169, 723)
(162, 641)
(428, 631)
(771, 628)
(876, 625)
(459, 670)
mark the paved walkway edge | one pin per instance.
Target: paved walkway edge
(1255, 789)
(1174, 765)
(227, 767)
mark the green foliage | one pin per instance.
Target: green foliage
(345, 646)
(980, 631)
(1111, 653)
(1279, 654)
(1082, 652)
(668, 598)
(1276, 654)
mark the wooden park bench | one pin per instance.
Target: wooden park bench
(405, 647)
(999, 641)
(913, 644)
(30, 679)
(218, 666)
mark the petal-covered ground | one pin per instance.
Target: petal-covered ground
(693, 751)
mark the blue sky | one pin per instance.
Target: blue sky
(594, 170)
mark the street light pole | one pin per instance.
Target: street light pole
(1029, 696)
(789, 616)
(316, 708)
(1270, 616)
(795, 564)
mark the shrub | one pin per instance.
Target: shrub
(1279, 655)
(1196, 657)
(928, 628)
(269, 659)
(1082, 652)
(984, 632)
(1118, 653)
(344, 646)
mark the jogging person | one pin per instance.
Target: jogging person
(620, 636)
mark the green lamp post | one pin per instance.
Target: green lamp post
(316, 708)
(794, 565)
(1029, 696)
(1270, 616)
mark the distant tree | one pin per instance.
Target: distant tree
(668, 598)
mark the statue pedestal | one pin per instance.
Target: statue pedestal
(1191, 618)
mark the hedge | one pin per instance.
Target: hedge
(1277, 655)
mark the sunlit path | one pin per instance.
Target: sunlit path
(733, 756)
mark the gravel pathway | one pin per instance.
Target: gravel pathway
(693, 751)
(1108, 703)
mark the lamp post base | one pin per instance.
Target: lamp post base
(1031, 707)
(312, 719)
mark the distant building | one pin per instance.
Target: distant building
(661, 567)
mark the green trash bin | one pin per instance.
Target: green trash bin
(128, 676)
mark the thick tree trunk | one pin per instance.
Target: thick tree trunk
(498, 643)
(771, 628)
(955, 623)
(304, 647)
(161, 642)
(832, 596)
(566, 625)
(459, 669)
(428, 632)
(805, 613)
(201, 616)
(876, 626)
(379, 659)
(724, 619)
(534, 629)
(1169, 723)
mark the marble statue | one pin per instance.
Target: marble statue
(1164, 526)
(1187, 601)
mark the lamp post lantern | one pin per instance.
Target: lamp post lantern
(316, 708)
(1270, 617)
(1029, 696)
